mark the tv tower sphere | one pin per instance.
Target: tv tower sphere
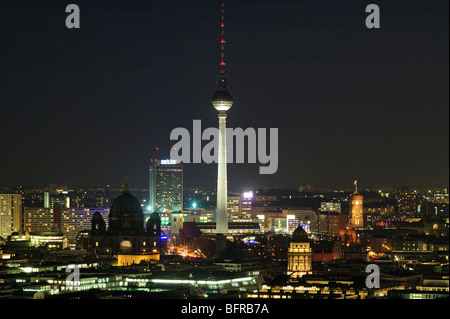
(222, 100)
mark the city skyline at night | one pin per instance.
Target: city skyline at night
(349, 102)
(320, 171)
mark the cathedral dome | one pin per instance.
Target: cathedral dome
(300, 235)
(126, 215)
(126, 205)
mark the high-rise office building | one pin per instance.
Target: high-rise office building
(69, 221)
(166, 185)
(10, 214)
(57, 196)
(74, 220)
(240, 206)
(38, 219)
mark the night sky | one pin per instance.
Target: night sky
(88, 106)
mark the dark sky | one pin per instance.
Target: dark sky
(87, 107)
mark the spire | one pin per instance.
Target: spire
(223, 79)
(125, 186)
(222, 99)
(356, 187)
(222, 41)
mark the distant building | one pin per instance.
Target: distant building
(239, 206)
(356, 219)
(52, 240)
(74, 220)
(330, 223)
(57, 196)
(408, 202)
(166, 185)
(299, 254)
(71, 220)
(234, 228)
(334, 207)
(37, 219)
(356, 211)
(10, 214)
(126, 236)
(289, 219)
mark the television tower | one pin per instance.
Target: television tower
(222, 101)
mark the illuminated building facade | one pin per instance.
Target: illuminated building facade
(58, 196)
(333, 207)
(239, 206)
(299, 254)
(75, 220)
(356, 219)
(288, 220)
(234, 228)
(51, 240)
(37, 219)
(166, 185)
(10, 214)
(112, 284)
(72, 220)
(356, 209)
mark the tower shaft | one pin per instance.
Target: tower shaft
(222, 189)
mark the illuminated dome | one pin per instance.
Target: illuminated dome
(222, 100)
(126, 215)
(299, 235)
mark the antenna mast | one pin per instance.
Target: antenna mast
(222, 42)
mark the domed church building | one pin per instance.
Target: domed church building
(299, 254)
(126, 236)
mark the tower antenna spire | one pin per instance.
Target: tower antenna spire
(222, 41)
(223, 79)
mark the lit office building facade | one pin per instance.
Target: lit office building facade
(38, 219)
(10, 214)
(75, 220)
(166, 185)
(59, 196)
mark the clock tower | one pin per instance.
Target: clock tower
(356, 209)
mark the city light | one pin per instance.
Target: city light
(152, 152)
